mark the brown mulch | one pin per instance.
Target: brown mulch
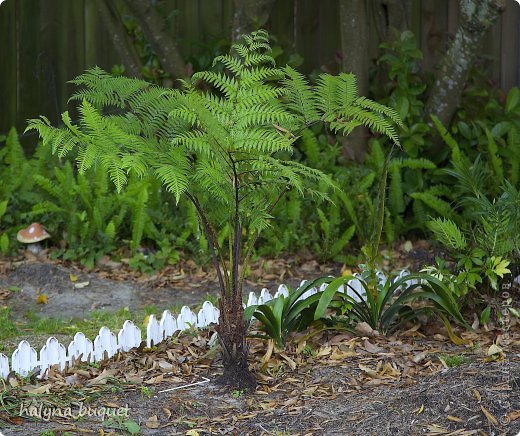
(336, 384)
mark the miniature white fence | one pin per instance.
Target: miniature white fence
(24, 359)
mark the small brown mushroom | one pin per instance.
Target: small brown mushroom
(32, 236)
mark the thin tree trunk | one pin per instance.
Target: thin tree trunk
(232, 328)
(162, 43)
(249, 15)
(477, 16)
(355, 59)
(120, 39)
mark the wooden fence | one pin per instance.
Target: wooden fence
(44, 43)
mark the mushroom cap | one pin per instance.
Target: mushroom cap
(32, 234)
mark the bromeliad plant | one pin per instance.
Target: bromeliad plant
(389, 307)
(223, 141)
(285, 314)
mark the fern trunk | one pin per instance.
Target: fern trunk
(232, 331)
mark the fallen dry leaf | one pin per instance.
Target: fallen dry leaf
(514, 415)
(371, 348)
(489, 415)
(365, 330)
(290, 362)
(152, 422)
(419, 409)
(41, 299)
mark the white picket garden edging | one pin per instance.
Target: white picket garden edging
(24, 359)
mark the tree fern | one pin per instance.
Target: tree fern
(224, 147)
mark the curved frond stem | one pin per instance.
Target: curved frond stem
(216, 253)
(251, 243)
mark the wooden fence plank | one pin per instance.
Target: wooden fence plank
(30, 62)
(8, 61)
(510, 47)
(63, 53)
(47, 42)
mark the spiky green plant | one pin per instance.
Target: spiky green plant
(223, 140)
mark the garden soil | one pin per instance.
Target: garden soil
(330, 385)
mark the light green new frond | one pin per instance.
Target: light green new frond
(448, 233)
(136, 163)
(196, 141)
(172, 170)
(263, 114)
(347, 90)
(232, 63)
(60, 140)
(327, 87)
(257, 76)
(195, 108)
(379, 108)
(220, 107)
(260, 35)
(373, 121)
(256, 94)
(301, 97)
(241, 50)
(102, 89)
(128, 123)
(212, 179)
(222, 82)
(262, 140)
(116, 170)
(253, 59)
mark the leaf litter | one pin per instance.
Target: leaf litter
(334, 384)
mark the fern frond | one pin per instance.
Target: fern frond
(448, 233)
(301, 98)
(440, 206)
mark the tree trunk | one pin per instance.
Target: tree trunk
(232, 332)
(231, 327)
(355, 59)
(249, 15)
(120, 39)
(162, 43)
(476, 18)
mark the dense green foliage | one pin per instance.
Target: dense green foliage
(83, 212)
(204, 143)
(485, 130)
